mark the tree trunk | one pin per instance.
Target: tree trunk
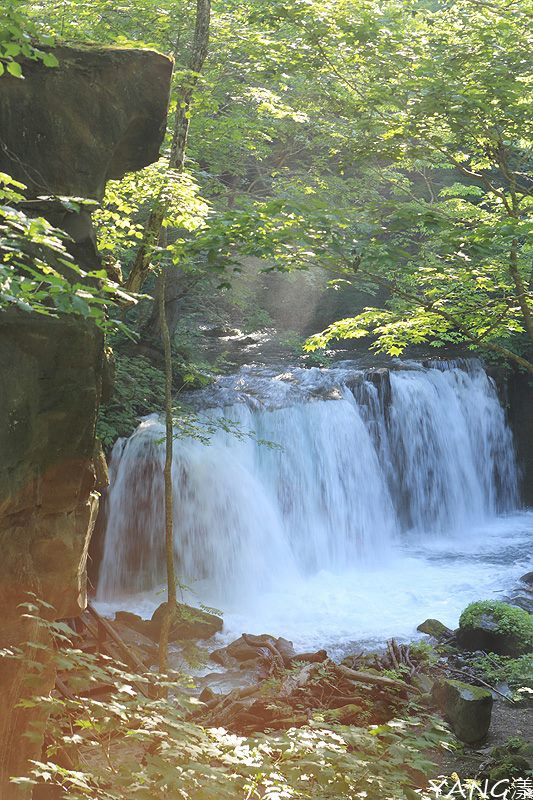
(141, 269)
(521, 289)
(169, 441)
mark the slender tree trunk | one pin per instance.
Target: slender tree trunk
(142, 265)
(141, 269)
(521, 289)
(169, 442)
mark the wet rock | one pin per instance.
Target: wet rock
(222, 657)
(206, 695)
(221, 332)
(250, 649)
(436, 629)
(189, 623)
(133, 621)
(242, 651)
(467, 708)
(250, 663)
(285, 647)
(527, 578)
(136, 639)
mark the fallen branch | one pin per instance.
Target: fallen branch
(367, 677)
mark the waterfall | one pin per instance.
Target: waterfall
(353, 462)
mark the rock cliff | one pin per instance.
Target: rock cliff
(63, 131)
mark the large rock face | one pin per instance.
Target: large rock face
(101, 114)
(51, 374)
(65, 131)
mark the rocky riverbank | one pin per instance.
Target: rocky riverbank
(478, 680)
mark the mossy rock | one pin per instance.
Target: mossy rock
(187, 623)
(436, 629)
(467, 708)
(514, 746)
(496, 627)
(514, 759)
(512, 767)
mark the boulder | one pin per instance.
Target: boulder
(242, 651)
(496, 627)
(286, 648)
(423, 682)
(100, 114)
(528, 579)
(188, 623)
(134, 622)
(250, 648)
(436, 629)
(222, 332)
(206, 695)
(467, 708)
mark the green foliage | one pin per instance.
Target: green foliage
(509, 620)
(20, 39)
(423, 654)
(512, 759)
(139, 389)
(142, 747)
(516, 672)
(443, 212)
(120, 220)
(389, 143)
(38, 274)
(295, 344)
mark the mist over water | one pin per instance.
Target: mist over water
(390, 496)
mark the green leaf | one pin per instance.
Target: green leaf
(14, 68)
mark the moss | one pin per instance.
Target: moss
(467, 708)
(509, 620)
(468, 692)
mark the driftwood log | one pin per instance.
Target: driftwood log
(301, 684)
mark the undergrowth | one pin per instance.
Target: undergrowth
(517, 673)
(139, 747)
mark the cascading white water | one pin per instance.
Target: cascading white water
(364, 460)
